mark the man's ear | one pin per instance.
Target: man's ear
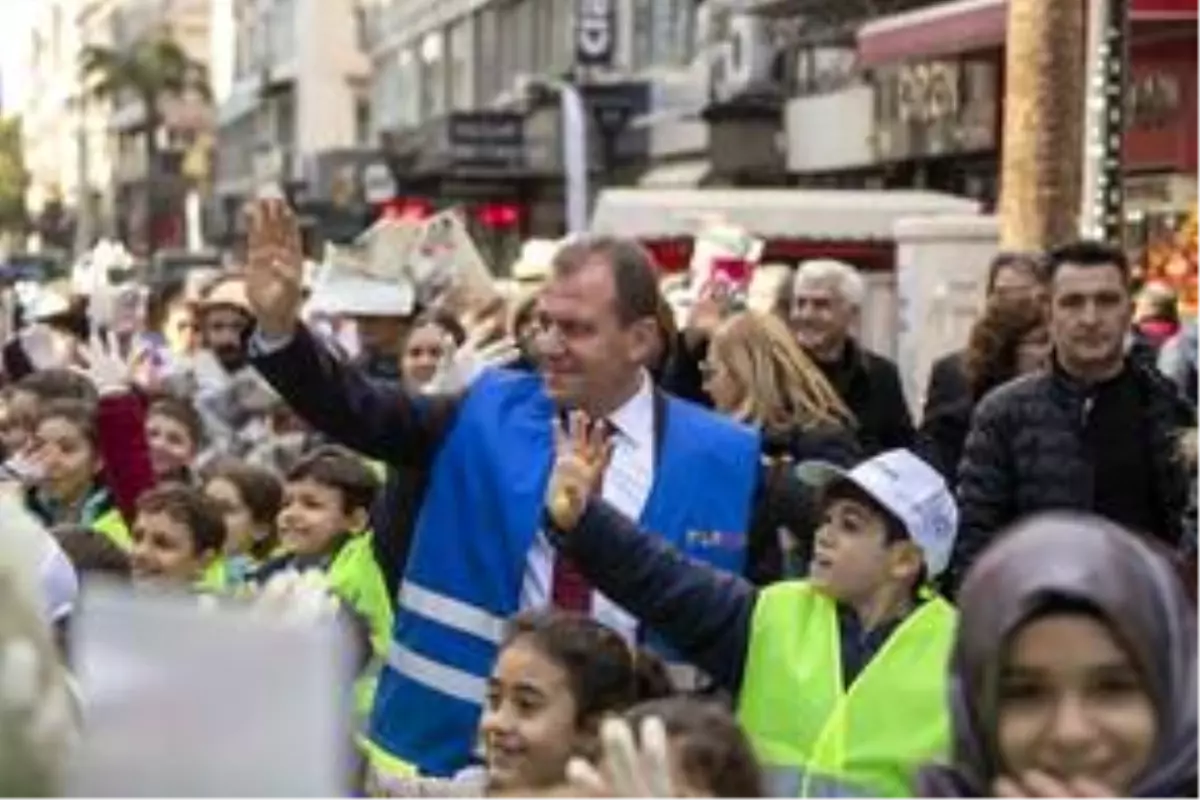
(642, 337)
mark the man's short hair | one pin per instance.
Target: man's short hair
(635, 276)
(845, 278)
(1087, 253)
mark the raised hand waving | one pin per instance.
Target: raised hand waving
(274, 266)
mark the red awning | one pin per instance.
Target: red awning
(965, 25)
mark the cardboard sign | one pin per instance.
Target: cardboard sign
(184, 701)
(726, 253)
(448, 261)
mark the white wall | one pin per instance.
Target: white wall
(941, 274)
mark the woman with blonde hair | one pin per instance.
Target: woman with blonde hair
(757, 373)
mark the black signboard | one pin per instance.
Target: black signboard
(486, 139)
(595, 32)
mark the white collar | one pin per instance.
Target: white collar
(634, 420)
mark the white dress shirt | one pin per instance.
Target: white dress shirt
(627, 484)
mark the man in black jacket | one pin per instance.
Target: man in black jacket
(822, 304)
(1097, 431)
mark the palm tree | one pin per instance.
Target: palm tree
(153, 69)
(1042, 170)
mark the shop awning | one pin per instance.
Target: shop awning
(680, 175)
(965, 25)
(827, 215)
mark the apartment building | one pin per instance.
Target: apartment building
(185, 136)
(451, 106)
(85, 155)
(293, 101)
(52, 122)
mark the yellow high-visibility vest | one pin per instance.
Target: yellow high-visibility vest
(817, 738)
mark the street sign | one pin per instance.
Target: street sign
(486, 139)
(595, 32)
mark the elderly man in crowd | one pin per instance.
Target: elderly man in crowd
(822, 303)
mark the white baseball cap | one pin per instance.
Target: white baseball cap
(909, 489)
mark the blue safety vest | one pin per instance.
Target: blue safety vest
(481, 512)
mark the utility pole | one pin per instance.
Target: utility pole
(1102, 214)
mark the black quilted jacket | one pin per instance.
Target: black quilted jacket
(1025, 453)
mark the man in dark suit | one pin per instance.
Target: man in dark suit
(478, 550)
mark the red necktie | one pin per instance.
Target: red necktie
(569, 590)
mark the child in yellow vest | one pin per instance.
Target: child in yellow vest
(322, 525)
(177, 538)
(840, 679)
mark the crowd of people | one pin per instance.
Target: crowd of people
(591, 542)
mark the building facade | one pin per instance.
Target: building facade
(85, 154)
(185, 136)
(919, 98)
(52, 123)
(293, 104)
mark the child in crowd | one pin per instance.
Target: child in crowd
(710, 755)
(70, 487)
(322, 525)
(840, 679)
(1074, 669)
(178, 536)
(556, 678)
(175, 434)
(250, 498)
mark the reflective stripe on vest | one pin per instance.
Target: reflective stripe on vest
(791, 782)
(448, 680)
(452, 613)
(801, 721)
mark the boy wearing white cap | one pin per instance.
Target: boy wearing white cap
(840, 679)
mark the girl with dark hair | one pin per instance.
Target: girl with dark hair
(250, 499)
(1010, 339)
(556, 678)
(710, 755)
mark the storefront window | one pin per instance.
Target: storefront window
(408, 88)
(488, 66)
(461, 64)
(664, 33)
(433, 75)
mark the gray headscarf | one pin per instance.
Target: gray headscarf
(1093, 561)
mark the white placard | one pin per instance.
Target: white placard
(180, 701)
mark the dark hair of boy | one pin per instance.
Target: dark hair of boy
(180, 411)
(338, 468)
(92, 555)
(192, 509)
(893, 529)
(79, 413)
(57, 384)
(1087, 253)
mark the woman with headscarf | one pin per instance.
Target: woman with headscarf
(1074, 671)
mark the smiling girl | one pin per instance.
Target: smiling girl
(1075, 669)
(556, 678)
